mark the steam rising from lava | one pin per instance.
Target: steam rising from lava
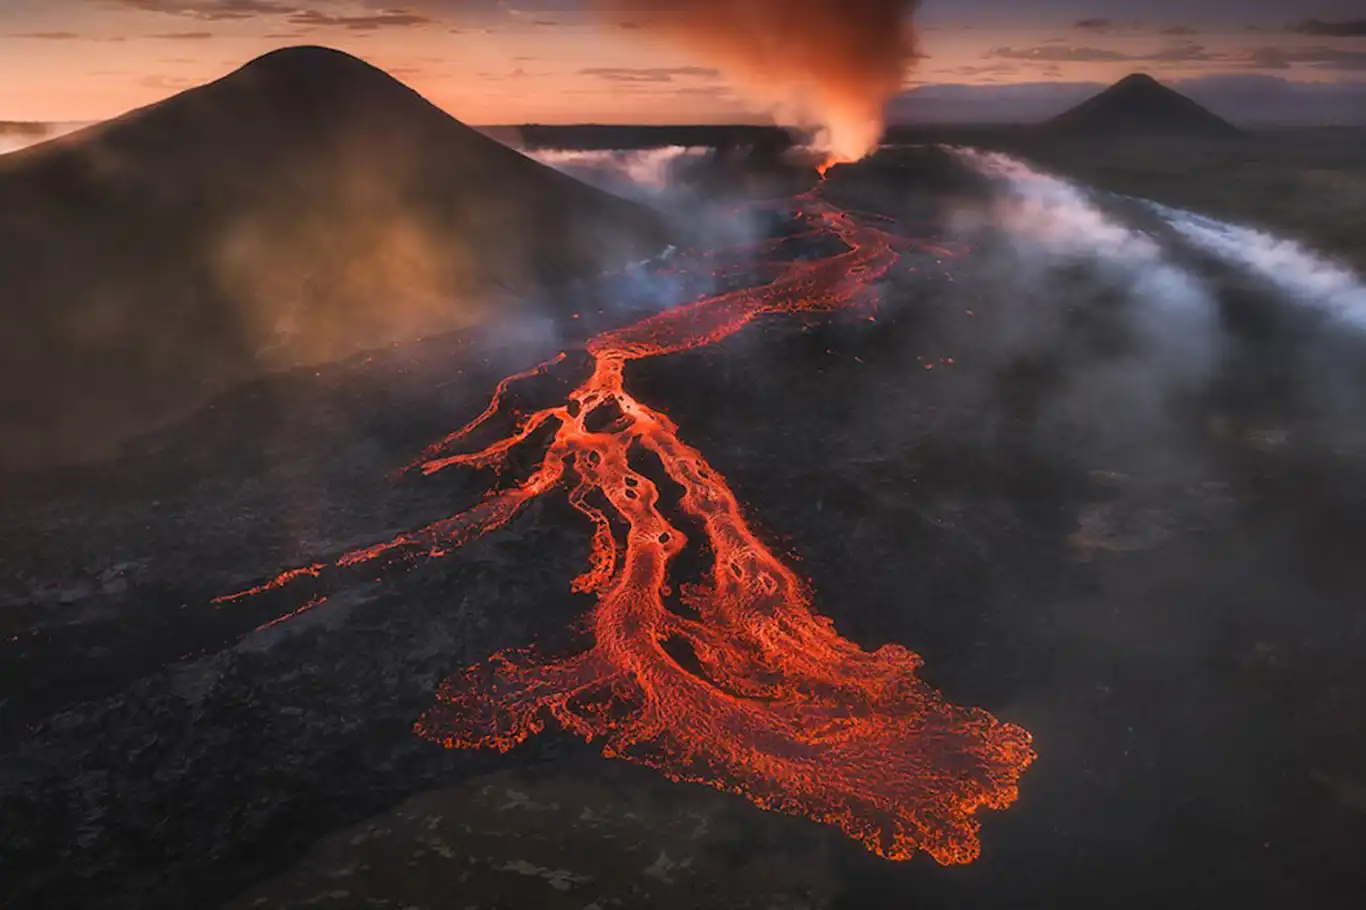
(833, 65)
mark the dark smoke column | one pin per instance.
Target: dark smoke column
(831, 63)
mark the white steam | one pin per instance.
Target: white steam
(699, 219)
(1051, 224)
(645, 173)
(1300, 274)
(17, 136)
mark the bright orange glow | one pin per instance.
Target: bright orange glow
(737, 683)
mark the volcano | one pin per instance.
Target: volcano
(300, 209)
(1139, 106)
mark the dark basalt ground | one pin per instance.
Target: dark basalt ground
(1181, 634)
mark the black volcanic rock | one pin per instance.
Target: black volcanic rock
(300, 209)
(1139, 106)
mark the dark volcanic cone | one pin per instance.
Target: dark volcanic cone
(299, 209)
(1139, 106)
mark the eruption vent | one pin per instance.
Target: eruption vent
(832, 64)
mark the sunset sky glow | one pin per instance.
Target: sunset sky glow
(552, 61)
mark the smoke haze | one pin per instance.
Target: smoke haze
(1299, 273)
(627, 172)
(1069, 280)
(830, 65)
(662, 178)
(16, 136)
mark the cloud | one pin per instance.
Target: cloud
(1179, 30)
(1316, 57)
(1093, 25)
(1182, 53)
(166, 83)
(363, 23)
(649, 74)
(65, 36)
(989, 69)
(212, 10)
(183, 36)
(1058, 53)
(1318, 27)
(1185, 52)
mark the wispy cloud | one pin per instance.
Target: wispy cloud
(1316, 57)
(1318, 27)
(47, 36)
(361, 23)
(212, 10)
(1185, 52)
(1058, 53)
(1093, 25)
(649, 74)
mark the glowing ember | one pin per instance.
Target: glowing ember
(752, 691)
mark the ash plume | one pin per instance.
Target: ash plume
(831, 65)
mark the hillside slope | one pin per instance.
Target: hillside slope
(300, 209)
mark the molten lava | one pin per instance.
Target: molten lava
(769, 702)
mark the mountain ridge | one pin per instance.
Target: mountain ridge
(300, 209)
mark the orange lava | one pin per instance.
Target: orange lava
(747, 689)
(279, 581)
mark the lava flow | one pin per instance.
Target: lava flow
(748, 689)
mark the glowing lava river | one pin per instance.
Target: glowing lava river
(742, 686)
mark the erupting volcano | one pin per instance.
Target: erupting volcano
(735, 682)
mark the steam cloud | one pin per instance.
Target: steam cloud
(659, 178)
(1124, 332)
(16, 136)
(1298, 273)
(628, 172)
(831, 65)
(1051, 224)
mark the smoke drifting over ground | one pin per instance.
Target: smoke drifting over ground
(1297, 272)
(1130, 336)
(670, 180)
(638, 173)
(16, 136)
(1088, 315)
(830, 65)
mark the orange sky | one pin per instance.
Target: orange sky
(91, 59)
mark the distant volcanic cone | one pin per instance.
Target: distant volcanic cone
(300, 209)
(833, 65)
(1139, 106)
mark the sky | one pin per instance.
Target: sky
(554, 61)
